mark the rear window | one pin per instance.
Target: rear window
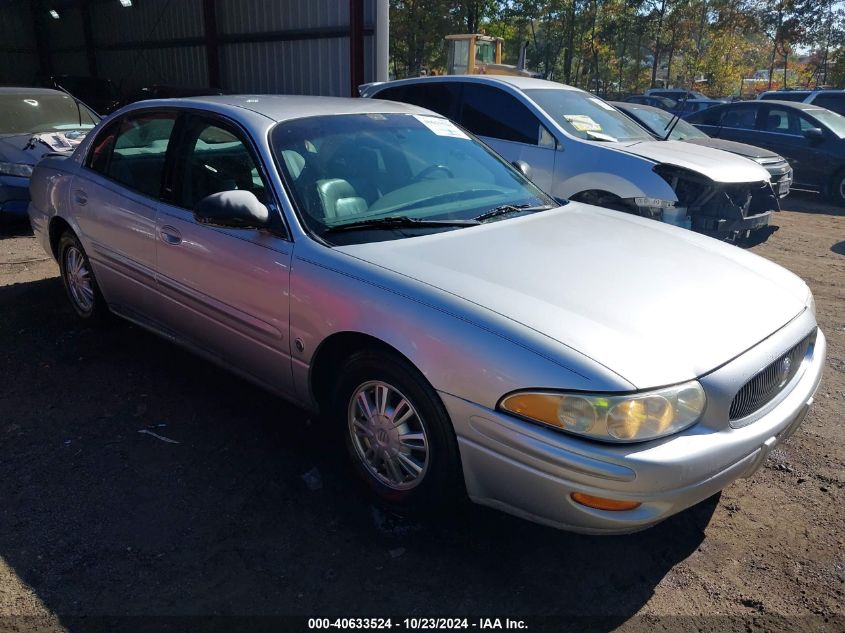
(789, 95)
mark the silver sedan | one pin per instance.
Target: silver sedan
(466, 334)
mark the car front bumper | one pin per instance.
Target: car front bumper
(531, 471)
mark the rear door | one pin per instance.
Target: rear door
(224, 291)
(737, 123)
(115, 198)
(509, 127)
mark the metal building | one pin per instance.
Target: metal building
(320, 47)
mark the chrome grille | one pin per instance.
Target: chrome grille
(764, 386)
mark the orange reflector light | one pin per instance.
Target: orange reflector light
(600, 503)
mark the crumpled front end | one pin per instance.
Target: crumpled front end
(721, 210)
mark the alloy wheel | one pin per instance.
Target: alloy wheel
(388, 435)
(79, 280)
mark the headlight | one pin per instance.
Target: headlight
(615, 418)
(15, 169)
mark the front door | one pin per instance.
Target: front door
(782, 130)
(224, 291)
(510, 128)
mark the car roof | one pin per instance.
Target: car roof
(24, 90)
(284, 107)
(798, 105)
(518, 82)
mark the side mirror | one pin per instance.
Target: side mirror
(814, 134)
(232, 209)
(523, 167)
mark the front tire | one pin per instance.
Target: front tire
(837, 189)
(397, 433)
(78, 279)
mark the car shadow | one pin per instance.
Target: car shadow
(807, 202)
(14, 227)
(838, 248)
(137, 479)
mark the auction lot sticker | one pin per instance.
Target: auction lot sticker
(440, 126)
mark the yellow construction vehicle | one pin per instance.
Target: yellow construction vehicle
(479, 54)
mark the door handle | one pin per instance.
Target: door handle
(80, 197)
(170, 235)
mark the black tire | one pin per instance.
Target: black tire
(93, 308)
(441, 485)
(836, 190)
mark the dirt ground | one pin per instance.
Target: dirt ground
(99, 521)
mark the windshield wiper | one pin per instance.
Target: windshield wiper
(511, 208)
(398, 222)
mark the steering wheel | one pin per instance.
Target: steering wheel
(431, 169)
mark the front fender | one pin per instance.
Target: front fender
(462, 349)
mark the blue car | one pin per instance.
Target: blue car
(34, 122)
(811, 138)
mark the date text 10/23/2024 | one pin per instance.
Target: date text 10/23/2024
(416, 624)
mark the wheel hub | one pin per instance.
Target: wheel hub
(388, 436)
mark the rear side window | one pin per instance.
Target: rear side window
(835, 102)
(438, 97)
(741, 117)
(133, 150)
(488, 111)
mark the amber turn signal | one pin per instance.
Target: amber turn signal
(600, 503)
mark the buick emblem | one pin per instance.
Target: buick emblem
(785, 366)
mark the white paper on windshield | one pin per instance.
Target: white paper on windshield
(583, 122)
(601, 103)
(440, 126)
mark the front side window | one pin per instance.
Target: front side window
(587, 117)
(43, 112)
(133, 151)
(488, 111)
(782, 121)
(215, 160)
(359, 167)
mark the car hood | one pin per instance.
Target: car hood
(742, 149)
(651, 302)
(713, 163)
(28, 149)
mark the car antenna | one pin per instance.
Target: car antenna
(76, 100)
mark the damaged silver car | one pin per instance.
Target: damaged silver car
(577, 146)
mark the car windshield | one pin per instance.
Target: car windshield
(23, 113)
(835, 122)
(586, 116)
(659, 122)
(422, 169)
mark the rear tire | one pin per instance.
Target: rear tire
(398, 435)
(79, 280)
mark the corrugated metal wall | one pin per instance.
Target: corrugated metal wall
(18, 55)
(284, 46)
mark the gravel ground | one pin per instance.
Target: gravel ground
(249, 511)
